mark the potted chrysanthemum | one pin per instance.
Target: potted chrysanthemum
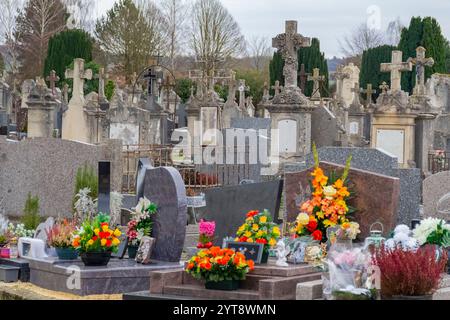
(60, 237)
(221, 269)
(95, 241)
(259, 228)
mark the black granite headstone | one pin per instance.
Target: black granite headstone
(104, 186)
(165, 187)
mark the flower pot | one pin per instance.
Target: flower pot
(226, 285)
(66, 253)
(265, 257)
(401, 297)
(132, 250)
(95, 259)
(4, 253)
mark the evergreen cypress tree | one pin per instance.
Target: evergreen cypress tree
(63, 48)
(370, 66)
(276, 70)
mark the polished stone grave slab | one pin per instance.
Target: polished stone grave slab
(266, 282)
(119, 276)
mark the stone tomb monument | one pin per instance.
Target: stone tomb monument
(376, 198)
(165, 187)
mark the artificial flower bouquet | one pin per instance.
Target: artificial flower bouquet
(433, 231)
(206, 234)
(328, 206)
(216, 265)
(259, 228)
(141, 223)
(96, 236)
(60, 235)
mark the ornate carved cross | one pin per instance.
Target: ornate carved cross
(102, 76)
(396, 67)
(369, 93)
(277, 87)
(420, 61)
(288, 44)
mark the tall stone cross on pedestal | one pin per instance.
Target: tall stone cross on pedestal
(369, 92)
(317, 79)
(340, 75)
(288, 44)
(52, 79)
(242, 89)
(420, 61)
(78, 74)
(396, 67)
(102, 77)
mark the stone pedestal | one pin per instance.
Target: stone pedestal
(395, 134)
(424, 140)
(41, 112)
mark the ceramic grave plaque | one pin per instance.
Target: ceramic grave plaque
(393, 142)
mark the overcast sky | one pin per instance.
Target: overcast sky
(328, 20)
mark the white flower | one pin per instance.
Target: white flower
(401, 237)
(85, 206)
(426, 227)
(390, 244)
(402, 228)
(329, 192)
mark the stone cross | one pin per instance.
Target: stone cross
(277, 87)
(420, 61)
(317, 79)
(242, 89)
(396, 67)
(340, 75)
(52, 79)
(78, 74)
(102, 77)
(384, 87)
(303, 76)
(151, 76)
(356, 91)
(288, 44)
(369, 93)
(232, 86)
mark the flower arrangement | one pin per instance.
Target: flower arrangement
(259, 228)
(348, 230)
(19, 231)
(60, 235)
(328, 206)
(433, 231)
(206, 231)
(141, 223)
(409, 272)
(402, 239)
(96, 236)
(216, 264)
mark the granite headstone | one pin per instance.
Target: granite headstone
(165, 187)
(104, 186)
(376, 196)
(435, 188)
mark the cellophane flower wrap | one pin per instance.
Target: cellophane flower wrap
(328, 206)
(96, 236)
(206, 234)
(216, 264)
(141, 223)
(259, 228)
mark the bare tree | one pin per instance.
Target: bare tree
(394, 32)
(36, 24)
(81, 14)
(259, 52)
(361, 38)
(174, 12)
(215, 35)
(8, 15)
(130, 34)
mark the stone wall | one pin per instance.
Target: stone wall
(46, 167)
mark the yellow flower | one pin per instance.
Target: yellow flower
(303, 219)
(263, 219)
(96, 231)
(103, 242)
(117, 233)
(320, 215)
(236, 239)
(248, 234)
(105, 228)
(241, 228)
(90, 242)
(276, 231)
(115, 242)
(272, 242)
(327, 223)
(250, 240)
(259, 234)
(329, 192)
(255, 227)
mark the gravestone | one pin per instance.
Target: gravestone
(376, 196)
(228, 206)
(104, 186)
(143, 165)
(435, 188)
(165, 187)
(324, 127)
(376, 161)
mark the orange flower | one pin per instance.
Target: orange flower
(251, 264)
(252, 213)
(190, 266)
(339, 184)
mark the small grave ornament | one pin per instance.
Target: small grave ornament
(376, 235)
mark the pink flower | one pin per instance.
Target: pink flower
(207, 228)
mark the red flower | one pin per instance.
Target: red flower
(312, 225)
(243, 239)
(263, 241)
(253, 213)
(108, 243)
(94, 238)
(103, 235)
(317, 235)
